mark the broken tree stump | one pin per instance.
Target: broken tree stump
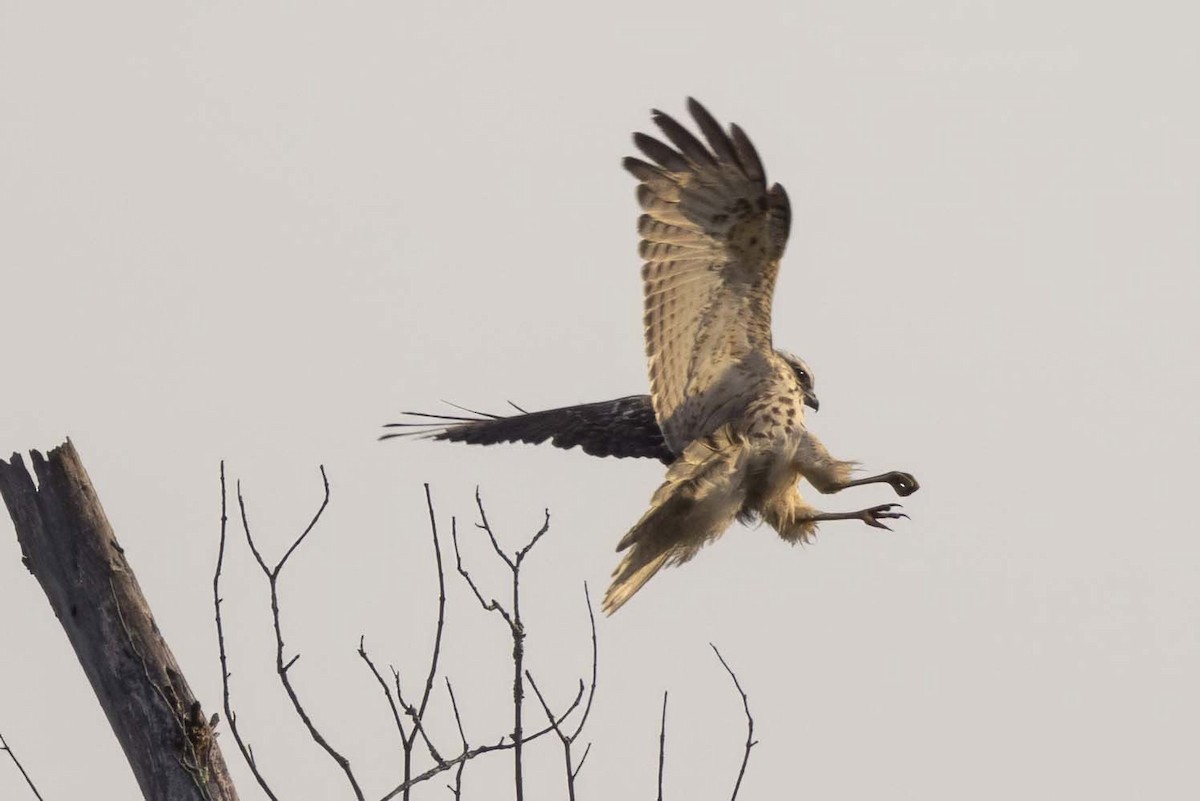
(69, 547)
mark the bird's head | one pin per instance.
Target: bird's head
(805, 377)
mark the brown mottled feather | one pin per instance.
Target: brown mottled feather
(712, 236)
(703, 491)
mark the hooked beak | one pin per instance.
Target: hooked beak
(810, 400)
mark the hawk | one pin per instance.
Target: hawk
(726, 409)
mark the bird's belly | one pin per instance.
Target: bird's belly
(770, 475)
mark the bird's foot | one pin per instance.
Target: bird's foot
(904, 484)
(877, 514)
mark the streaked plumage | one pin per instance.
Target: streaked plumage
(726, 410)
(712, 237)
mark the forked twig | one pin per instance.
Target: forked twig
(568, 740)
(456, 788)
(505, 744)
(387, 691)
(230, 716)
(416, 713)
(513, 619)
(281, 668)
(398, 706)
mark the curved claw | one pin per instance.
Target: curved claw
(904, 484)
(872, 517)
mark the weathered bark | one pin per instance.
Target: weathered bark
(71, 550)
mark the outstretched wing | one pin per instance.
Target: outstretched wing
(712, 236)
(698, 500)
(624, 427)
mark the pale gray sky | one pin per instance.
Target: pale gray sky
(258, 233)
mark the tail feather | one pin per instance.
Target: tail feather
(702, 494)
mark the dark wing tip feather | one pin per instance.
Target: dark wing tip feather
(691, 147)
(659, 153)
(718, 140)
(747, 155)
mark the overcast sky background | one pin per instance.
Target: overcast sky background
(258, 233)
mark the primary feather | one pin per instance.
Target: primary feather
(711, 236)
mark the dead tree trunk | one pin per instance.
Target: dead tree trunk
(71, 550)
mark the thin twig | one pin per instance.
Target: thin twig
(281, 669)
(441, 621)
(582, 759)
(470, 754)
(595, 668)
(490, 606)
(230, 715)
(568, 740)
(483, 524)
(4, 746)
(418, 728)
(387, 691)
(513, 617)
(562, 737)
(750, 741)
(662, 746)
(462, 735)
(417, 713)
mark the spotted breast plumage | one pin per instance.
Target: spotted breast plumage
(728, 407)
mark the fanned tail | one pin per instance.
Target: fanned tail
(702, 494)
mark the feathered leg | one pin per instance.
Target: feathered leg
(828, 474)
(796, 521)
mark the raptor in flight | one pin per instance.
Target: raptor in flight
(726, 409)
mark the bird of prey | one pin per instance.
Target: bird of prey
(726, 409)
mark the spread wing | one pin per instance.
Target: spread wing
(712, 236)
(624, 427)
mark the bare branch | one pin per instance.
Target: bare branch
(441, 621)
(262, 563)
(483, 524)
(462, 735)
(466, 756)
(750, 741)
(4, 746)
(230, 715)
(387, 691)
(529, 546)
(595, 670)
(281, 669)
(489, 606)
(568, 740)
(311, 525)
(582, 759)
(246, 753)
(562, 737)
(662, 747)
(414, 715)
(512, 616)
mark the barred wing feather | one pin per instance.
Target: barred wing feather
(711, 236)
